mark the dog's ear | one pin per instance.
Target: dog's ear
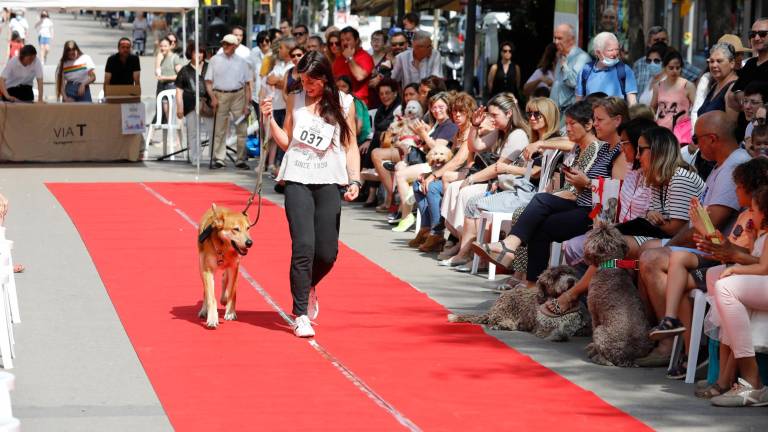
(218, 217)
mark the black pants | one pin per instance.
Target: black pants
(22, 92)
(546, 219)
(314, 213)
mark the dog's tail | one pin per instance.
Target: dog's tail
(472, 319)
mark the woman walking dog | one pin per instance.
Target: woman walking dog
(321, 159)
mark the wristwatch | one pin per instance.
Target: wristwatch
(349, 59)
(356, 182)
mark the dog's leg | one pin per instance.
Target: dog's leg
(209, 310)
(224, 287)
(229, 289)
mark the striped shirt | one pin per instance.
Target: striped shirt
(673, 200)
(602, 167)
(635, 196)
(77, 70)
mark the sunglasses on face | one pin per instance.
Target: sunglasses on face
(655, 61)
(762, 33)
(299, 34)
(334, 43)
(399, 44)
(506, 50)
(535, 114)
(297, 55)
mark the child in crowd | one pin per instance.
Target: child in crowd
(15, 46)
(741, 299)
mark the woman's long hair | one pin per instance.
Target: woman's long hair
(507, 103)
(317, 66)
(550, 114)
(665, 156)
(68, 46)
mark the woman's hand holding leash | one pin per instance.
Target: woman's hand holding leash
(266, 107)
(352, 190)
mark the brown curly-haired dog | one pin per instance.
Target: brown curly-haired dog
(619, 327)
(517, 309)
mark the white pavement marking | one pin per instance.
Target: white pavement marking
(351, 376)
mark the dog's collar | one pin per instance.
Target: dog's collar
(617, 263)
(206, 235)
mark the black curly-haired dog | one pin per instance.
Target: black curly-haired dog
(517, 309)
(619, 327)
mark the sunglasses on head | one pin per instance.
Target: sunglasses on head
(762, 33)
(535, 114)
(655, 61)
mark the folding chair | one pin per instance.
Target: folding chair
(8, 423)
(172, 125)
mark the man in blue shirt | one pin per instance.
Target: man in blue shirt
(570, 60)
(609, 74)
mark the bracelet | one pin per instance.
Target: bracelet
(356, 182)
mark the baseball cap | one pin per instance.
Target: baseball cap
(230, 39)
(735, 42)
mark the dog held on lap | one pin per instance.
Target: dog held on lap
(222, 239)
(619, 327)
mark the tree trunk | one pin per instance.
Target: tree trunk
(718, 15)
(635, 34)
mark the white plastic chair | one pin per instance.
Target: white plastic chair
(700, 300)
(172, 125)
(6, 326)
(8, 423)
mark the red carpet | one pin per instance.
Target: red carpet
(251, 374)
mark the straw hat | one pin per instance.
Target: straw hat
(735, 42)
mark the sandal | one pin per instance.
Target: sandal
(485, 252)
(709, 391)
(667, 327)
(18, 268)
(508, 283)
(552, 309)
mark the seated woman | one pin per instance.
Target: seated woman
(741, 291)
(429, 237)
(388, 152)
(673, 184)
(388, 91)
(544, 120)
(442, 133)
(508, 139)
(635, 194)
(564, 215)
(17, 268)
(736, 248)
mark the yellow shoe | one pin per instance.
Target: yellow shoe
(405, 223)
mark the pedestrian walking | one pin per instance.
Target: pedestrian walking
(139, 33)
(19, 74)
(74, 74)
(321, 158)
(228, 81)
(44, 29)
(187, 96)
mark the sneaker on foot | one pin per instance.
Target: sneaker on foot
(742, 394)
(313, 309)
(302, 327)
(405, 223)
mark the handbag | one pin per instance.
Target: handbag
(641, 227)
(483, 161)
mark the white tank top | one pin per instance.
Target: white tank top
(305, 164)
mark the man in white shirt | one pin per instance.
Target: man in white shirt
(241, 50)
(19, 74)
(19, 24)
(228, 82)
(415, 64)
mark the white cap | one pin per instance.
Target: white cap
(230, 39)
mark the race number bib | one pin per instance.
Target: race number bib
(316, 133)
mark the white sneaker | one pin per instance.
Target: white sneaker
(313, 309)
(302, 327)
(742, 394)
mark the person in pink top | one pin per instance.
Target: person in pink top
(673, 98)
(354, 62)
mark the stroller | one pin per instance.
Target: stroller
(139, 41)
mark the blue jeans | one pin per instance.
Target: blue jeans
(429, 205)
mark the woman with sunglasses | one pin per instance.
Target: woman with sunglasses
(333, 46)
(292, 78)
(74, 74)
(504, 76)
(321, 159)
(653, 58)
